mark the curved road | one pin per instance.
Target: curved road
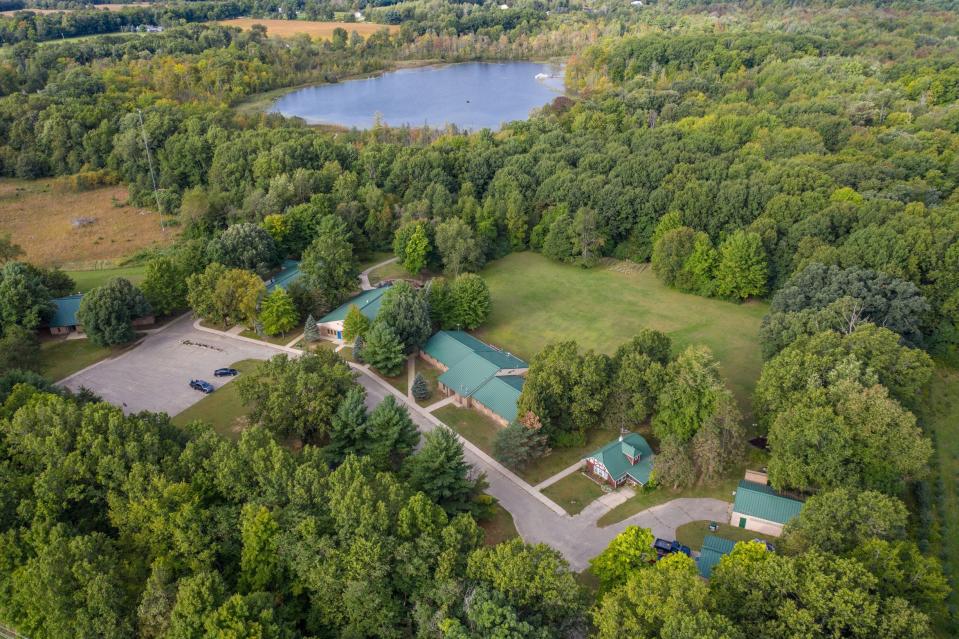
(154, 376)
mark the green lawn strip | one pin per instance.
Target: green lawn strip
(939, 413)
(215, 326)
(537, 301)
(279, 340)
(474, 426)
(693, 533)
(390, 271)
(222, 408)
(430, 374)
(574, 492)
(499, 527)
(88, 280)
(561, 458)
(399, 382)
(647, 498)
(61, 357)
(375, 258)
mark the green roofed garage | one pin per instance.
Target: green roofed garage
(762, 508)
(712, 551)
(477, 375)
(369, 302)
(64, 318)
(626, 460)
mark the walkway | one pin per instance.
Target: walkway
(365, 275)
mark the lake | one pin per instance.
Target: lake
(471, 95)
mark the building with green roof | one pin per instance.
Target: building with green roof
(369, 302)
(712, 551)
(64, 318)
(476, 374)
(289, 273)
(626, 460)
(763, 509)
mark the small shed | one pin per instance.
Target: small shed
(763, 509)
(626, 460)
(712, 551)
(64, 318)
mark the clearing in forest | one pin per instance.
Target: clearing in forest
(65, 228)
(314, 29)
(537, 301)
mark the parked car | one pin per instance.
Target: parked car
(225, 372)
(664, 547)
(200, 385)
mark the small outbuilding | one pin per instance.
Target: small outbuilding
(628, 460)
(712, 551)
(64, 318)
(762, 508)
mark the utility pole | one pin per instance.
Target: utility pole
(153, 179)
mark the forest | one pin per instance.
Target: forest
(804, 153)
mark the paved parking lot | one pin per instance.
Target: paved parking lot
(156, 375)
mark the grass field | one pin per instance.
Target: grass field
(939, 413)
(222, 409)
(430, 374)
(39, 219)
(390, 271)
(693, 533)
(574, 492)
(88, 280)
(537, 301)
(314, 29)
(61, 357)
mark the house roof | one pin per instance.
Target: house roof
(613, 457)
(452, 347)
(368, 302)
(65, 311)
(467, 376)
(712, 551)
(500, 394)
(756, 500)
(289, 273)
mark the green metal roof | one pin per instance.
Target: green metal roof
(452, 347)
(289, 273)
(712, 551)
(469, 374)
(613, 457)
(369, 303)
(500, 395)
(65, 311)
(756, 500)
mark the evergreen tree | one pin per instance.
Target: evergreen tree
(516, 445)
(383, 350)
(407, 312)
(421, 390)
(358, 346)
(439, 470)
(311, 332)
(390, 435)
(348, 428)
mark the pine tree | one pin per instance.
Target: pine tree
(383, 350)
(421, 389)
(311, 332)
(391, 435)
(441, 472)
(348, 428)
(358, 347)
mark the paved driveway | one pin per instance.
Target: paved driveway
(155, 375)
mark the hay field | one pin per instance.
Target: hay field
(319, 30)
(40, 219)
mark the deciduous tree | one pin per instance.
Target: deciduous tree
(107, 312)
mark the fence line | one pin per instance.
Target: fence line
(6, 632)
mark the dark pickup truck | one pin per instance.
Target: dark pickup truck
(664, 548)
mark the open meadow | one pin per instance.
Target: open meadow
(314, 29)
(41, 219)
(537, 301)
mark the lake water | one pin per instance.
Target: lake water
(471, 95)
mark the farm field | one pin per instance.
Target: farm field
(39, 218)
(537, 301)
(314, 29)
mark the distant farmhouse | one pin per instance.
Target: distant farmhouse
(477, 375)
(629, 460)
(64, 320)
(761, 508)
(369, 302)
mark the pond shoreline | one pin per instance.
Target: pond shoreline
(261, 103)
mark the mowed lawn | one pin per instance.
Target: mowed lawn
(939, 413)
(314, 29)
(537, 301)
(40, 218)
(222, 408)
(60, 357)
(89, 280)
